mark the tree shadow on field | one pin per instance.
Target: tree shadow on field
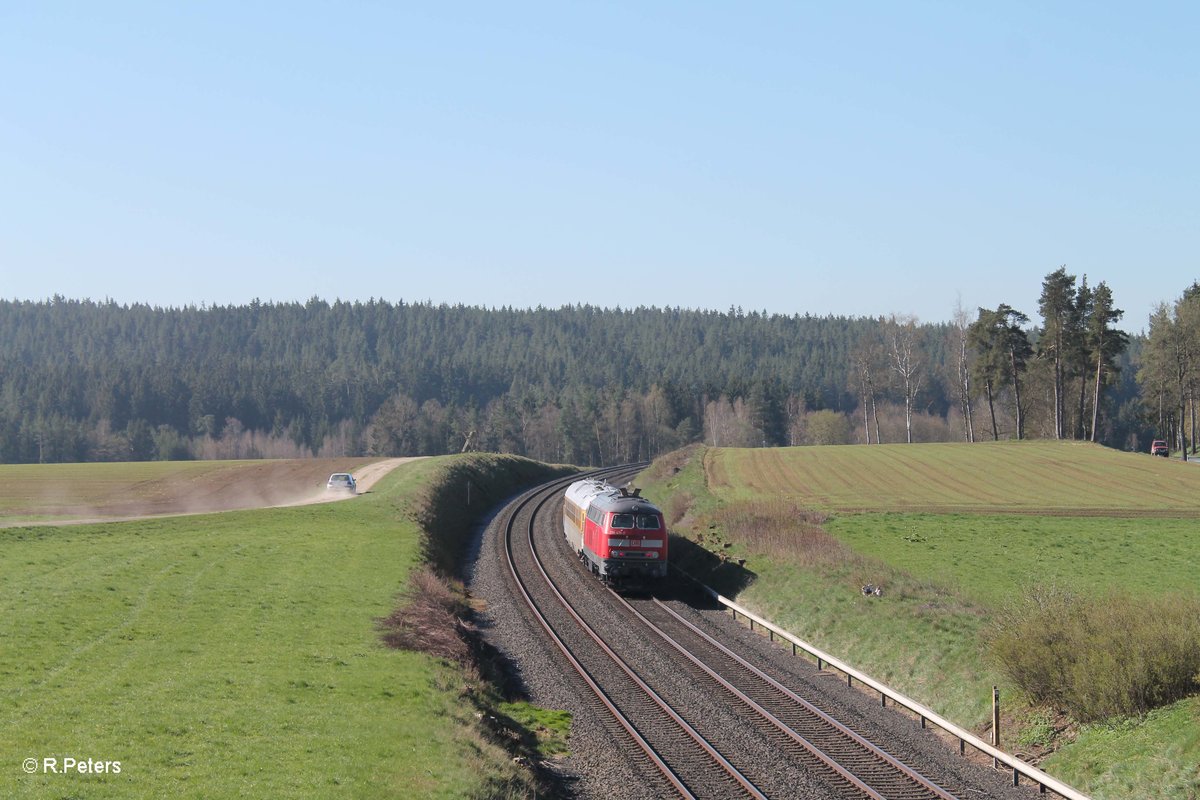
(725, 576)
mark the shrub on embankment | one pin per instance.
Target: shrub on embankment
(432, 615)
(1100, 657)
(458, 496)
(1098, 519)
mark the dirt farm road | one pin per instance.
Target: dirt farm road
(118, 493)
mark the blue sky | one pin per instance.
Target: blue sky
(828, 158)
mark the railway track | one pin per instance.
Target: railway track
(817, 739)
(682, 760)
(758, 737)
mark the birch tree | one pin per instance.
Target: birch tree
(961, 330)
(865, 362)
(905, 357)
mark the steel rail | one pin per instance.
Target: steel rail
(679, 721)
(870, 748)
(1018, 767)
(779, 725)
(620, 718)
(550, 491)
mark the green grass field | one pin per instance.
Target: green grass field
(1028, 477)
(953, 532)
(1155, 757)
(989, 557)
(229, 655)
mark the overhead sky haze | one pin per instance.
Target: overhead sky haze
(855, 159)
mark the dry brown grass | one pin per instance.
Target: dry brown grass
(670, 464)
(678, 506)
(431, 618)
(781, 529)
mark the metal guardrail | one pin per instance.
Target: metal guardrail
(1019, 768)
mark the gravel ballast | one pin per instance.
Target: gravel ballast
(597, 766)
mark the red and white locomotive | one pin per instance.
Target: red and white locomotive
(619, 535)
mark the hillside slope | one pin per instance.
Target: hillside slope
(952, 533)
(1032, 477)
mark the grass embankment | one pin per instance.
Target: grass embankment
(235, 654)
(952, 534)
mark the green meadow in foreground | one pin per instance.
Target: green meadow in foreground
(953, 533)
(1154, 757)
(229, 655)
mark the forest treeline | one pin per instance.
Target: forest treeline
(84, 380)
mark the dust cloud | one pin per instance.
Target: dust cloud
(228, 486)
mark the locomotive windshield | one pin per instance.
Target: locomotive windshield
(646, 522)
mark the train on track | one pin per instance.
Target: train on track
(618, 534)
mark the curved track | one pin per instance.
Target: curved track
(814, 737)
(696, 718)
(683, 760)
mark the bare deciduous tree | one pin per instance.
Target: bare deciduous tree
(905, 358)
(961, 330)
(866, 361)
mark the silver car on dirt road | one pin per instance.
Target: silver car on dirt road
(341, 482)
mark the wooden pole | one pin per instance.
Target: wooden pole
(995, 723)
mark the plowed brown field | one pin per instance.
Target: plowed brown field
(58, 493)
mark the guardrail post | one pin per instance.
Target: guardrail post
(1046, 783)
(995, 724)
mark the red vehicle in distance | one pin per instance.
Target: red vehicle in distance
(1159, 448)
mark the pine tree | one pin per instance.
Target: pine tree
(1058, 309)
